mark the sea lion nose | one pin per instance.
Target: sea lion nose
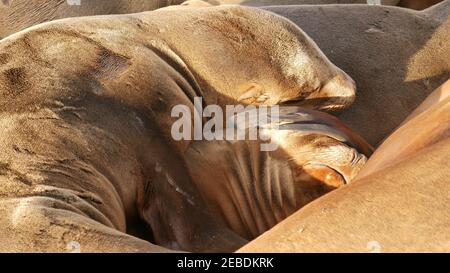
(341, 90)
(337, 93)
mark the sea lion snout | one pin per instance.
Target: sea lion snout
(326, 148)
(335, 94)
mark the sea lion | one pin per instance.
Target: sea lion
(400, 203)
(396, 56)
(261, 3)
(411, 4)
(87, 150)
(16, 15)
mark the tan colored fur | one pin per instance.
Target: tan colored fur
(87, 154)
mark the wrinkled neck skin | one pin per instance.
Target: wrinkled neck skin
(251, 190)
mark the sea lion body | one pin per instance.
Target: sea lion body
(87, 151)
(16, 15)
(411, 4)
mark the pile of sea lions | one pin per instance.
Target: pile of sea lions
(88, 157)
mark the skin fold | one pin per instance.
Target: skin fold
(87, 152)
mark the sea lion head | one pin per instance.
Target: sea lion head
(291, 68)
(325, 152)
(252, 56)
